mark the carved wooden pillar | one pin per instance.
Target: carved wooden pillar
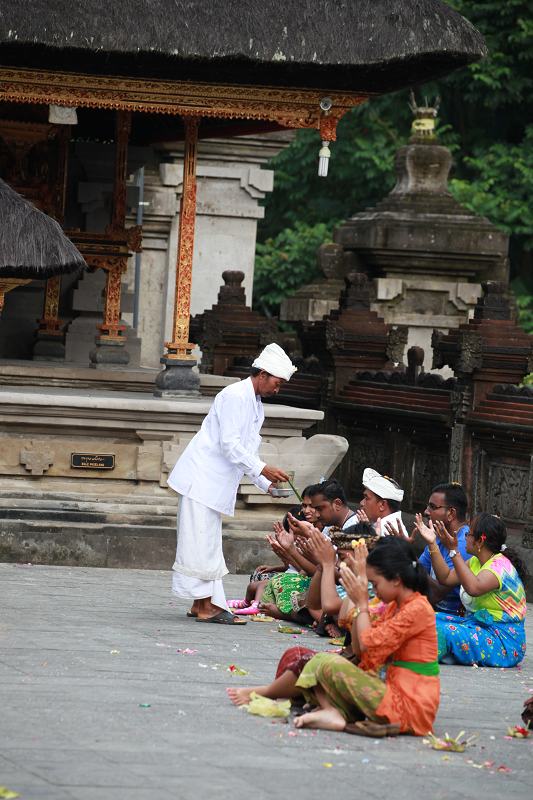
(178, 379)
(49, 345)
(110, 351)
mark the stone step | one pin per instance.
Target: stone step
(102, 516)
(74, 497)
(93, 544)
(29, 503)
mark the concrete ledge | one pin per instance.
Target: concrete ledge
(126, 546)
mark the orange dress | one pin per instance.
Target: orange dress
(409, 633)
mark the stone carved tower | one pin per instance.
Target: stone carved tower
(425, 254)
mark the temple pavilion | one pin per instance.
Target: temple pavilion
(89, 96)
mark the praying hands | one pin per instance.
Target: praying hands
(322, 548)
(449, 540)
(356, 587)
(427, 533)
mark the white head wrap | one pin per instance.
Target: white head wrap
(275, 361)
(381, 485)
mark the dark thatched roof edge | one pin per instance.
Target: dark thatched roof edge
(313, 43)
(32, 244)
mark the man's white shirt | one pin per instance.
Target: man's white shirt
(224, 449)
(394, 519)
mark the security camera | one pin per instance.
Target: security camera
(326, 103)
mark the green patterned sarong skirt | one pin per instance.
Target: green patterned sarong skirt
(280, 589)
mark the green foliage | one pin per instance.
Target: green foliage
(287, 262)
(486, 119)
(525, 309)
(501, 186)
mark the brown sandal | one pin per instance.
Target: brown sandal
(372, 729)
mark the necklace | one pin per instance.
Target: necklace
(348, 515)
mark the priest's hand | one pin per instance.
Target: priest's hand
(274, 474)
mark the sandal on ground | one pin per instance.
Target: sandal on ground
(224, 618)
(191, 614)
(373, 729)
(253, 609)
(237, 604)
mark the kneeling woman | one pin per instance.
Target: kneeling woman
(492, 633)
(402, 689)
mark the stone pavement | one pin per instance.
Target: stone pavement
(72, 725)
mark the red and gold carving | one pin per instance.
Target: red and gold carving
(293, 108)
(50, 323)
(118, 208)
(111, 326)
(328, 128)
(134, 238)
(180, 344)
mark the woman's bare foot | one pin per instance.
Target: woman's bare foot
(242, 695)
(327, 719)
(333, 631)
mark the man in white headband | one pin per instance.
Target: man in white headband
(206, 478)
(381, 501)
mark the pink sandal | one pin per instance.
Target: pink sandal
(253, 609)
(237, 604)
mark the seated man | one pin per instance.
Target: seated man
(381, 501)
(329, 502)
(448, 504)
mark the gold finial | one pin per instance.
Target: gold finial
(424, 122)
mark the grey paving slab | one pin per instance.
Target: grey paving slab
(73, 729)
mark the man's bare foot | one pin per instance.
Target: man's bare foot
(240, 696)
(195, 608)
(327, 719)
(206, 609)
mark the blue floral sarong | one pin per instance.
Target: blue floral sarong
(478, 639)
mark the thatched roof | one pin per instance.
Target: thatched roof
(347, 45)
(32, 245)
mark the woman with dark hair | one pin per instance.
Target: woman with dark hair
(492, 591)
(401, 691)
(383, 694)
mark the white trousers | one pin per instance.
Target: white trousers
(199, 564)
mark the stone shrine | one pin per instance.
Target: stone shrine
(475, 428)
(351, 337)
(424, 254)
(230, 328)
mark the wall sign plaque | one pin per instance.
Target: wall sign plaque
(92, 461)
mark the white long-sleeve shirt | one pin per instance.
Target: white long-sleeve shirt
(223, 450)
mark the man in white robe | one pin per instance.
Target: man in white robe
(381, 501)
(206, 478)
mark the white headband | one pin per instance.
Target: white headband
(275, 361)
(381, 485)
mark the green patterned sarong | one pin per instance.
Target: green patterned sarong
(280, 589)
(352, 691)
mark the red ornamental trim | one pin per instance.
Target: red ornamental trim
(293, 108)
